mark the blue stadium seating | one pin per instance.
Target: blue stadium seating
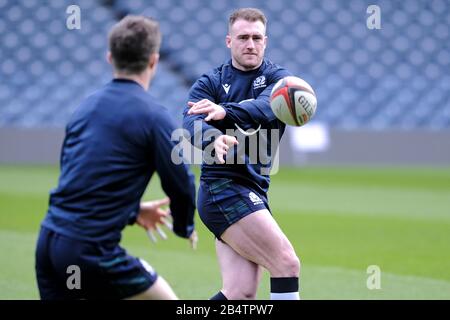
(47, 69)
(397, 77)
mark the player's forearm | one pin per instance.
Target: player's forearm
(133, 215)
(200, 133)
(252, 112)
(178, 183)
(183, 218)
(249, 113)
(182, 205)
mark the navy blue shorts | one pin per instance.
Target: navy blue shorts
(223, 201)
(105, 271)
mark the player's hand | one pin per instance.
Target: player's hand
(213, 111)
(222, 144)
(151, 216)
(193, 239)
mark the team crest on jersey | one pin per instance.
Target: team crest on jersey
(259, 82)
(254, 198)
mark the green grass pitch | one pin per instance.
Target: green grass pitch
(340, 221)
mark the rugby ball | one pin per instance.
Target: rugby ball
(293, 101)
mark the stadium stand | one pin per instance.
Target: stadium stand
(397, 77)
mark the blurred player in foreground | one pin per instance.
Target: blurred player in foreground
(232, 200)
(115, 140)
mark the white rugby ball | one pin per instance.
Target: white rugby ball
(293, 101)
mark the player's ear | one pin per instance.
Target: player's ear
(109, 57)
(228, 41)
(153, 60)
(265, 41)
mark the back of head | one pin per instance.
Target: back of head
(247, 14)
(131, 42)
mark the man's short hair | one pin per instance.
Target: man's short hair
(247, 14)
(131, 42)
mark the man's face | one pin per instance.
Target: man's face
(247, 41)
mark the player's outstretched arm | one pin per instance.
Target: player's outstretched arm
(248, 112)
(252, 113)
(201, 133)
(176, 179)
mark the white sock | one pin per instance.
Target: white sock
(285, 296)
(284, 288)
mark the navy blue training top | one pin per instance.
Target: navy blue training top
(246, 98)
(115, 140)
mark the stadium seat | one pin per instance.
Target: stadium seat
(394, 77)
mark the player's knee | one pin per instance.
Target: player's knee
(290, 265)
(296, 265)
(240, 294)
(248, 295)
(241, 291)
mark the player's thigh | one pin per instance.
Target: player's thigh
(258, 238)
(50, 285)
(160, 290)
(240, 276)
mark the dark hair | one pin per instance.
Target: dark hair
(131, 42)
(248, 14)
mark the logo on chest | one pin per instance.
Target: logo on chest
(226, 87)
(259, 82)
